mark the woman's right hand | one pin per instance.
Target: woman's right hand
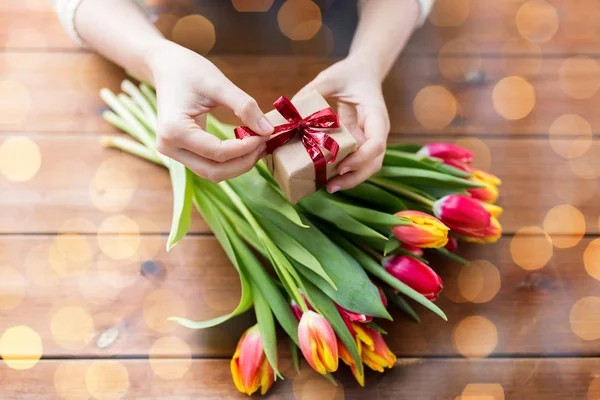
(188, 86)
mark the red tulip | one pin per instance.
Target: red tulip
(416, 274)
(412, 249)
(425, 231)
(318, 342)
(493, 209)
(462, 214)
(450, 154)
(452, 245)
(349, 317)
(488, 193)
(491, 234)
(249, 366)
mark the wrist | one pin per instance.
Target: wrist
(368, 66)
(154, 54)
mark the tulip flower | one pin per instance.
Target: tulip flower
(318, 342)
(249, 366)
(488, 193)
(450, 154)
(462, 214)
(416, 274)
(452, 245)
(490, 235)
(347, 358)
(349, 317)
(425, 231)
(377, 356)
(493, 209)
(412, 249)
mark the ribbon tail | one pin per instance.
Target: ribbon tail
(318, 159)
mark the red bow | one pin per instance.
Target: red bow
(311, 138)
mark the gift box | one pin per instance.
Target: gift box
(311, 151)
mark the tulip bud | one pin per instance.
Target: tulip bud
(488, 193)
(450, 154)
(296, 310)
(347, 358)
(382, 296)
(462, 214)
(425, 230)
(417, 251)
(250, 368)
(452, 245)
(318, 342)
(416, 274)
(491, 234)
(352, 316)
(377, 356)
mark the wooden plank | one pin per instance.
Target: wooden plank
(65, 97)
(122, 305)
(521, 379)
(80, 179)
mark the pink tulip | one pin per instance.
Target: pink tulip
(491, 234)
(452, 245)
(489, 193)
(462, 214)
(318, 342)
(415, 274)
(426, 231)
(250, 368)
(450, 154)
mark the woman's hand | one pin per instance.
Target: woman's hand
(362, 110)
(188, 86)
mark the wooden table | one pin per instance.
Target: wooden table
(85, 281)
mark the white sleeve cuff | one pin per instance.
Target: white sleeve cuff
(65, 9)
(426, 6)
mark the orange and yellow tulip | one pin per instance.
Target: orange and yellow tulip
(318, 342)
(250, 368)
(426, 231)
(376, 355)
(347, 358)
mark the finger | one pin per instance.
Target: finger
(184, 133)
(245, 107)
(352, 179)
(215, 171)
(348, 116)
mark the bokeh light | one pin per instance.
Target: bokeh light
(513, 97)
(158, 306)
(483, 391)
(107, 380)
(252, 5)
(69, 380)
(173, 368)
(20, 157)
(449, 13)
(20, 347)
(37, 265)
(531, 248)
(580, 19)
(118, 274)
(579, 77)
(299, 19)
(479, 281)
(585, 318)
(591, 259)
(454, 66)
(594, 389)
(475, 337)
(165, 23)
(119, 237)
(12, 287)
(113, 186)
(570, 135)
(521, 57)
(481, 152)
(15, 103)
(195, 32)
(72, 327)
(537, 20)
(434, 107)
(321, 44)
(565, 224)
(570, 188)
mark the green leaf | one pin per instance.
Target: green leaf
(182, 202)
(355, 292)
(369, 216)
(330, 312)
(295, 250)
(438, 192)
(376, 197)
(320, 205)
(266, 326)
(373, 267)
(408, 147)
(256, 191)
(449, 169)
(219, 227)
(394, 158)
(405, 252)
(402, 304)
(424, 177)
(376, 327)
(391, 245)
(454, 257)
(295, 358)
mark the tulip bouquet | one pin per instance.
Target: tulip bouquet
(323, 269)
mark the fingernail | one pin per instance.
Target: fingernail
(334, 189)
(265, 125)
(344, 170)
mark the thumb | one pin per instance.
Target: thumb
(245, 107)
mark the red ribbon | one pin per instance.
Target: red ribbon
(305, 128)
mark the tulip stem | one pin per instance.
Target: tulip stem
(402, 191)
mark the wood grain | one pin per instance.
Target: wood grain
(522, 379)
(80, 179)
(530, 312)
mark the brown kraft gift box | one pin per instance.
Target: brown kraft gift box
(291, 165)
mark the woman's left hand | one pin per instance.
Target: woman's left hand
(362, 109)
